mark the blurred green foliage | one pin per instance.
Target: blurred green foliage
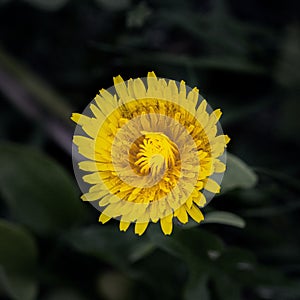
(54, 57)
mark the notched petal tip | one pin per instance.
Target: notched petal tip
(118, 79)
(217, 113)
(123, 226)
(195, 213)
(151, 74)
(166, 224)
(83, 198)
(212, 186)
(104, 218)
(75, 117)
(227, 139)
(140, 228)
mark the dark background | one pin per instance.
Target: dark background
(244, 56)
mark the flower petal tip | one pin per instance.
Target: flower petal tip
(151, 74)
(118, 79)
(75, 117)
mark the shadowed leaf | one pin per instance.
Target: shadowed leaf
(18, 261)
(38, 191)
(237, 175)
(223, 217)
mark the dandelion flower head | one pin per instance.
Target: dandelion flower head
(149, 150)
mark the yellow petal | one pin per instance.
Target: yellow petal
(85, 146)
(93, 178)
(189, 201)
(199, 185)
(193, 96)
(212, 186)
(139, 88)
(105, 200)
(181, 215)
(128, 208)
(182, 93)
(166, 224)
(92, 128)
(92, 196)
(88, 165)
(218, 114)
(81, 140)
(152, 84)
(120, 87)
(217, 149)
(104, 218)
(213, 118)
(151, 74)
(154, 211)
(167, 93)
(109, 98)
(76, 117)
(124, 225)
(98, 187)
(105, 167)
(130, 88)
(96, 111)
(140, 228)
(113, 210)
(202, 117)
(202, 108)
(174, 90)
(222, 139)
(211, 132)
(195, 213)
(219, 166)
(162, 85)
(89, 125)
(200, 200)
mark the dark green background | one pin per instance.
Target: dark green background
(244, 56)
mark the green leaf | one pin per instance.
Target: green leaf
(108, 244)
(198, 249)
(239, 263)
(197, 288)
(48, 4)
(193, 245)
(160, 267)
(237, 175)
(226, 287)
(141, 250)
(18, 288)
(18, 262)
(223, 217)
(12, 239)
(38, 192)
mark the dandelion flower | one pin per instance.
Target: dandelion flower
(149, 151)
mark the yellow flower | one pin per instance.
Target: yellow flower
(152, 150)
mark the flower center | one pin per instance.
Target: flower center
(156, 154)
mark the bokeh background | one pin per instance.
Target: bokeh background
(245, 58)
